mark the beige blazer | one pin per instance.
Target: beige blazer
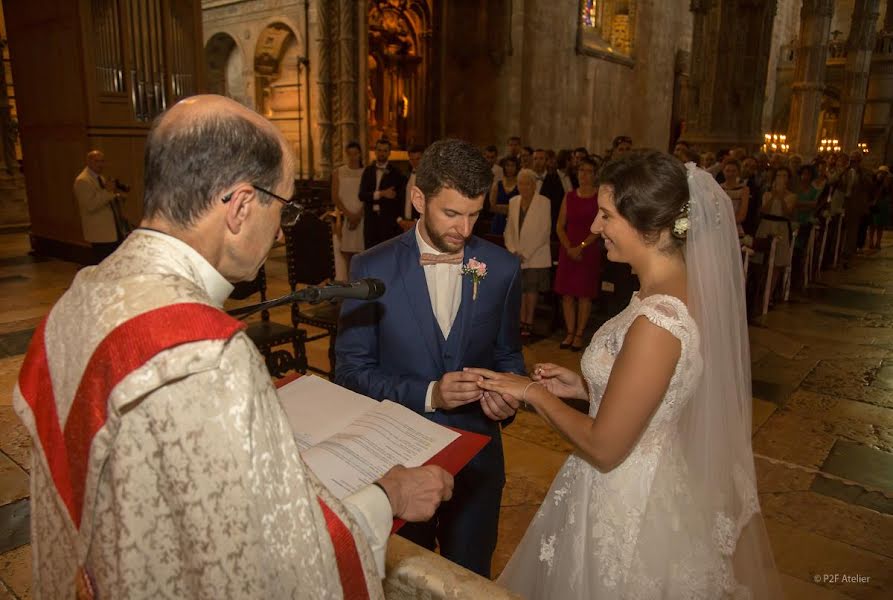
(94, 204)
(532, 240)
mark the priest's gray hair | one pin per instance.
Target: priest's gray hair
(189, 164)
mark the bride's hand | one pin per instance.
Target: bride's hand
(507, 384)
(562, 382)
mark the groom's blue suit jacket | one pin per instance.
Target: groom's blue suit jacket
(393, 348)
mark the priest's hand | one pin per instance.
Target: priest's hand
(416, 493)
(455, 389)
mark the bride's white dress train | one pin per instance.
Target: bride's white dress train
(633, 532)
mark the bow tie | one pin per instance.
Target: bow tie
(440, 259)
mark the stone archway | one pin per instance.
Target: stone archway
(278, 85)
(225, 68)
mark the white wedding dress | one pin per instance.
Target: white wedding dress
(632, 532)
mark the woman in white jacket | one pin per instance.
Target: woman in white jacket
(527, 235)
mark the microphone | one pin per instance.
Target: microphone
(363, 289)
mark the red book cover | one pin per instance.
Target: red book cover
(452, 458)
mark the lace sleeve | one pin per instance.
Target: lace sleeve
(668, 313)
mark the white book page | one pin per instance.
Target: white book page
(318, 409)
(387, 435)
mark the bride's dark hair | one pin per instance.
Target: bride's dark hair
(650, 191)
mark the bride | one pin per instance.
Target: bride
(659, 500)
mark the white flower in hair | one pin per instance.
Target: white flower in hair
(680, 226)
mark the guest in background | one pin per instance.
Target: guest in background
(777, 209)
(346, 196)
(795, 161)
(381, 190)
(552, 187)
(525, 157)
(620, 146)
(737, 191)
(861, 190)
(538, 166)
(96, 197)
(527, 235)
(579, 276)
(563, 165)
(491, 153)
(807, 194)
(681, 151)
(709, 163)
(751, 177)
(501, 192)
(514, 146)
(880, 218)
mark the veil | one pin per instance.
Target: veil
(715, 427)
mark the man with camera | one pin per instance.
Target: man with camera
(98, 201)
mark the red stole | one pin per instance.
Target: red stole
(66, 447)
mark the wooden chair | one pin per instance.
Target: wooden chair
(762, 292)
(267, 334)
(310, 259)
(786, 284)
(746, 253)
(808, 252)
(838, 239)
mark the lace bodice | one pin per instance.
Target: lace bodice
(668, 313)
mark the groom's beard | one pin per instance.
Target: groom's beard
(440, 242)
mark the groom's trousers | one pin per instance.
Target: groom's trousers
(465, 527)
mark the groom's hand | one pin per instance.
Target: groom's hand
(456, 389)
(499, 407)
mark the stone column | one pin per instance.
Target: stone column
(809, 75)
(860, 44)
(348, 90)
(327, 56)
(730, 37)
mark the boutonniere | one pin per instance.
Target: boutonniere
(478, 271)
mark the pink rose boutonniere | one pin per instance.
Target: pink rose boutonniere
(478, 271)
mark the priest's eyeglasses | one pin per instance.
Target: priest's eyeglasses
(291, 212)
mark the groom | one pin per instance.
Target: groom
(412, 344)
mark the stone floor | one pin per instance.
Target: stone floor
(822, 426)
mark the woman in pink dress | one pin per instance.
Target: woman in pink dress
(579, 277)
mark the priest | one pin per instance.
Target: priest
(163, 465)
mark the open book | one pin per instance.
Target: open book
(350, 440)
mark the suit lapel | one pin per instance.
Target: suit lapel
(416, 288)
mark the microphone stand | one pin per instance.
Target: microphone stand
(309, 294)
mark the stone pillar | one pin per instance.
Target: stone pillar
(327, 56)
(860, 44)
(809, 75)
(730, 37)
(348, 90)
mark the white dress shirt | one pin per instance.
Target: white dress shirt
(540, 177)
(445, 290)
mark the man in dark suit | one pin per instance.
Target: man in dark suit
(382, 188)
(412, 344)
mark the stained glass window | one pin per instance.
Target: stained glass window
(607, 29)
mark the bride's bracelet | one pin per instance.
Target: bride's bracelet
(524, 394)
